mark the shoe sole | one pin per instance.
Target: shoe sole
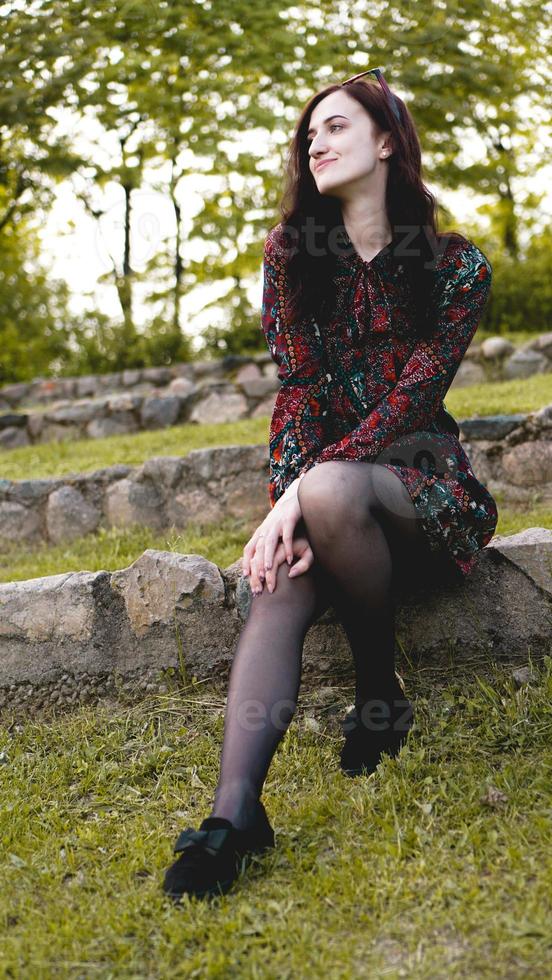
(357, 772)
(223, 887)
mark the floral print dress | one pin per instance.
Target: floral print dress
(365, 388)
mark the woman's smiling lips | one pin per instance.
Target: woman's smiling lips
(323, 163)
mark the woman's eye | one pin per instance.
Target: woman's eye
(333, 126)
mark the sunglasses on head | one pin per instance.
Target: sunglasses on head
(377, 75)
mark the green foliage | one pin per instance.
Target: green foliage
(163, 343)
(34, 318)
(103, 346)
(240, 335)
(521, 294)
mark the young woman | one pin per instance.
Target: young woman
(367, 311)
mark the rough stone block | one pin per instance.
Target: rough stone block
(69, 515)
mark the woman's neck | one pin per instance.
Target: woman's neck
(368, 228)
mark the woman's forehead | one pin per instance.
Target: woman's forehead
(335, 102)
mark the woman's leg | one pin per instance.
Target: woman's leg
(361, 526)
(263, 688)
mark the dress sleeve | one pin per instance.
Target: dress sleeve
(298, 423)
(457, 302)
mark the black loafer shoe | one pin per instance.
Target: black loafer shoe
(366, 740)
(211, 858)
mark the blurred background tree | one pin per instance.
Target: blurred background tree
(210, 92)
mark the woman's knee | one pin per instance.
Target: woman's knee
(335, 494)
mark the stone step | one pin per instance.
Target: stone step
(91, 631)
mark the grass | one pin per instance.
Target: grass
(115, 548)
(421, 870)
(513, 518)
(86, 455)
(501, 397)
(517, 337)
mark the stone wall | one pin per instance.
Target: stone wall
(207, 485)
(194, 399)
(510, 453)
(223, 390)
(168, 617)
(498, 359)
(42, 391)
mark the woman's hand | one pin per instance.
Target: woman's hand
(279, 523)
(301, 550)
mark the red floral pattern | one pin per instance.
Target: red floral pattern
(363, 387)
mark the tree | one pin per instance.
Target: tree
(177, 85)
(35, 333)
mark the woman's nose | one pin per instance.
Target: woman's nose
(317, 148)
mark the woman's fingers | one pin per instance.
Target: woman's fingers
(303, 564)
(301, 548)
(272, 573)
(298, 569)
(280, 522)
(287, 541)
(270, 542)
(271, 576)
(286, 532)
(249, 551)
(255, 581)
(259, 554)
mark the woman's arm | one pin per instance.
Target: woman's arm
(297, 427)
(457, 303)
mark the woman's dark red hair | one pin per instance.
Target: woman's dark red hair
(409, 204)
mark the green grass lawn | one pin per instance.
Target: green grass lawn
(119, 547)
(517, 337)
(86, 455)
(501, 397)
(436, 866)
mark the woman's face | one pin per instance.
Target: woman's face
(342, 139)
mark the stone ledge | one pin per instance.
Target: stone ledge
(530, 550)
(168, 613)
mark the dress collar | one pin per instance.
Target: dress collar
(348, 256)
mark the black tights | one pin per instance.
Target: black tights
(361, 525)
